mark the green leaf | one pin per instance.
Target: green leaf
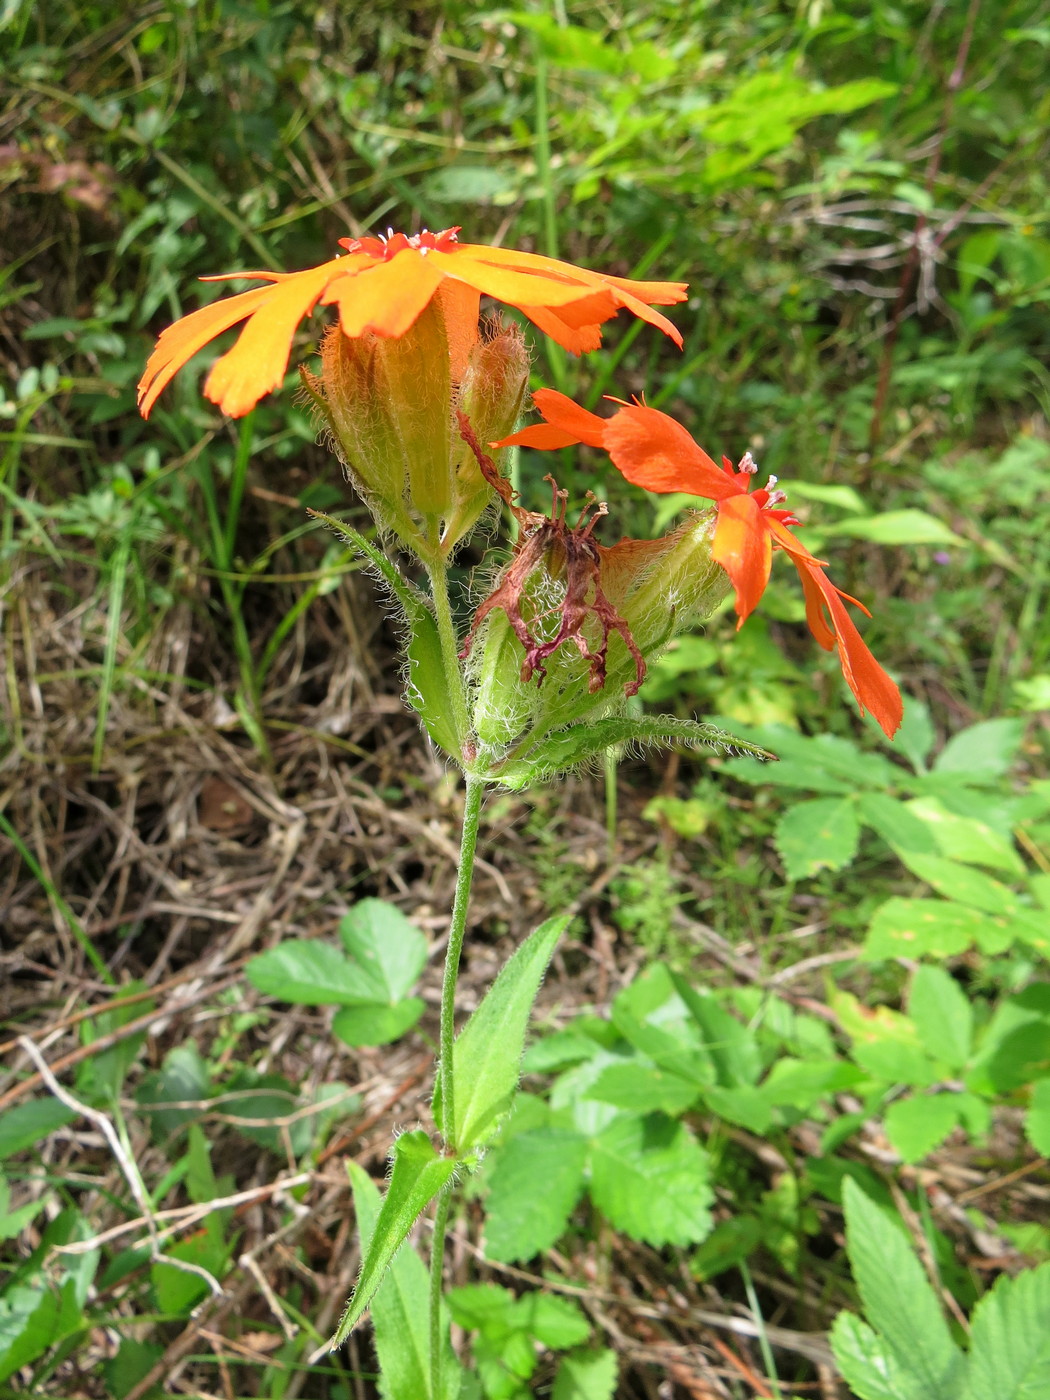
(182, 1077)
(914, 739)
(487, 1055)
(897, 824)
(914, 928)
(1037, 1120)
(376, 1025)
(897, 527)
(1010, 1339)
(558, 1323)
(867, 1363)
(967, 839)
(961, 882)
(732, 1047)
(401, 1310)
(390, 951)
(743, 1104)
(817, 835)
(898, 1299)
(520, 1221)
(983, 752)
(28, 1319)
(417, 1177)
(802, 1084)
(308, 972)
(919, 1123)
(24, 1125)
(640, 1087)
(942, 1015)
(650, 1178)
(581, 743)
(586, 1375)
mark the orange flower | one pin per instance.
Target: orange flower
(653, 451)
(381, 286)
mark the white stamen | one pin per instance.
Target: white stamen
(747, 463)
(772, 482)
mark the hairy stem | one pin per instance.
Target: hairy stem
(438, 575)
(457, 928)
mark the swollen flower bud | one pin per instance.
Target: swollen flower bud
(390, 404)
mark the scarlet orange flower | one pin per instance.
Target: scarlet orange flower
(380, 286)
(653, 451)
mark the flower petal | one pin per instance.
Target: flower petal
(520, 288)
(578, 340)
(655, 452)
(743, 547)
(180, 342)
(259, 360)
(385, 298)
(662, 293)
(873, 688)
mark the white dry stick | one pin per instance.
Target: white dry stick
(127, 1165)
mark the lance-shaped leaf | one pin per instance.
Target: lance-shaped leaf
(488, 1051)
(582, 743)
(419, 1174)
(427, 688)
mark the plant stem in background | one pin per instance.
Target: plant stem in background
(475, 792)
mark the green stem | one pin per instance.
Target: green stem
(438, 575)
(457, 928)
(437, 1278)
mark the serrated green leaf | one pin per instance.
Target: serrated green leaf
(401, 1310)
(581, 743)
(817, 835)
(559, 1323)
(897, 824)
(640, 1087)
(389, 950)
(417, 1177)
(183, 1077)
(802, 1084)
(586, 1375)
(943, 1016)
(743, 1104)
(308, 972)
(898, 1299)
(1010, 1339)
(919, 1123)
(376, 1025)
(28, 1318)
(961, 882)
(1037, 1119)
(869, 1367)
(967, 839)
(983, 752)
(520, 1221)
(488, 1051)
(650, 1178)
(914, 928)
(733, 1048)
(24, 1125)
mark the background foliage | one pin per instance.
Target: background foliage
(856, 193)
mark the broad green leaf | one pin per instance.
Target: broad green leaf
(581, 743)
(650, 1178)
(487, 1055)
(307, 972)
(898, 1299)
(913, 928)
(24, 1125)
(390, 951)
(727, 1244)
(401, 1310)
(28, 1323)
(640, 1087)
(961, 882)
(13, 1222)
(1015, 1047)
(520, 1221)
(915, 737)
(1037, 1120)
(586, 1375)
(817, 835)
(868, 1365)
(885, 1043)
(1010, 1339)
(182, 1078)
(897, 824)
(897, 527)
(417, 1177)
(559, 1323)
(965, 838)
(732, 1047)
(178, 1291)
(802, 1084)
(919, 1123)
(376, 1025)
(943, 1016)
(265, 1105)
(983, 752)
(743, 1104)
